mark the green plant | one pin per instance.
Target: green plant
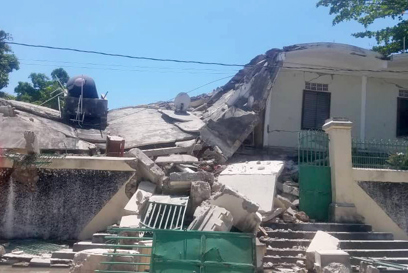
(398, 161)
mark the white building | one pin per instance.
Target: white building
(325, 80)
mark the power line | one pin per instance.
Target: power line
(131, 70)
(144, 109)
(124, 56)
(129, 66)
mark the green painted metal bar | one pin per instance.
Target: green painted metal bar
(125, 237)
(127, 254)
(379, 262)
(127, 263)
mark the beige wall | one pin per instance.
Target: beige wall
(285, 105)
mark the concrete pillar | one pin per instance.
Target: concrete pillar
(363, 106)
(342, 208)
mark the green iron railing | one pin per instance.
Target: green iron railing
(380, 154)
(125, 239)
(313, 148)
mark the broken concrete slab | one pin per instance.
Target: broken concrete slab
(63, 254)
(200, 191)
(131, 221)
(243, 210)
(172, 150)
(324, 258)
(212, 218)
(254, 179)
(161, 160)
(271, 215)
(321, 241)
(187, 143)
(234, 112)
(136, 203)
(146, 167)
(289, 189)
(189, 177)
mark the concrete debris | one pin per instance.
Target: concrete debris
(321, 241)
(212, 218)
(243, 210)
(161, 160)
(266, 217)
(302, 216)
(87, 261)
(283, 202)
(2, 250)
(325, 258)
(137, 202)
(254, 179)
(173, 150)
(335, 268)
(190, 177)
(130, 221)
(288, 188)
(200, 191)
(367, 268)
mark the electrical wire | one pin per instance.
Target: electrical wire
(124, 56)
(194, 89)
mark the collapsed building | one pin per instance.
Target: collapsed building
(169, 165)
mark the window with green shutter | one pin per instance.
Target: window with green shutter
(316, 108)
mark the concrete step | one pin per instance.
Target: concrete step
(87, 245)
(99, 238)
(285, 252)
(63, 254)
(322, 226)
(349, 244)
(284, 259)
(288, 234)
(377, 253)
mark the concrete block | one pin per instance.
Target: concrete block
(212, 218)
(254, 179)
(200, 191)
(161, 160)
(324, 258)
(63, 254)
(40, 262)
(321, 241)
(131, 221)
(334, 267)
(136, 203)
(243, 210)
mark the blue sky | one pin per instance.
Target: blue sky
(228, 31)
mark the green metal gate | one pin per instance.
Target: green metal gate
(315, 194)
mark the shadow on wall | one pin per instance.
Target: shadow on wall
(59, 205)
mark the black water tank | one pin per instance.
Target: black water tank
(74, 86)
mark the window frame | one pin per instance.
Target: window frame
(303, 108)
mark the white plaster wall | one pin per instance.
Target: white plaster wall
(287, 97)
(381, 111)
(285, 105)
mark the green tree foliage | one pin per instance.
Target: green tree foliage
(366, 12)
(8, 61)
(41, 88)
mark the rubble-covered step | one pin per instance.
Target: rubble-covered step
(397, 260)
(322, 226)
(283, 259)
(63, 254)
(349, 244)
(99, 238)
(288, 234)
(285, 252)
(87, 245)
(377, 253)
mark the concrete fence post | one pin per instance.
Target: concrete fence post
(342, 208)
